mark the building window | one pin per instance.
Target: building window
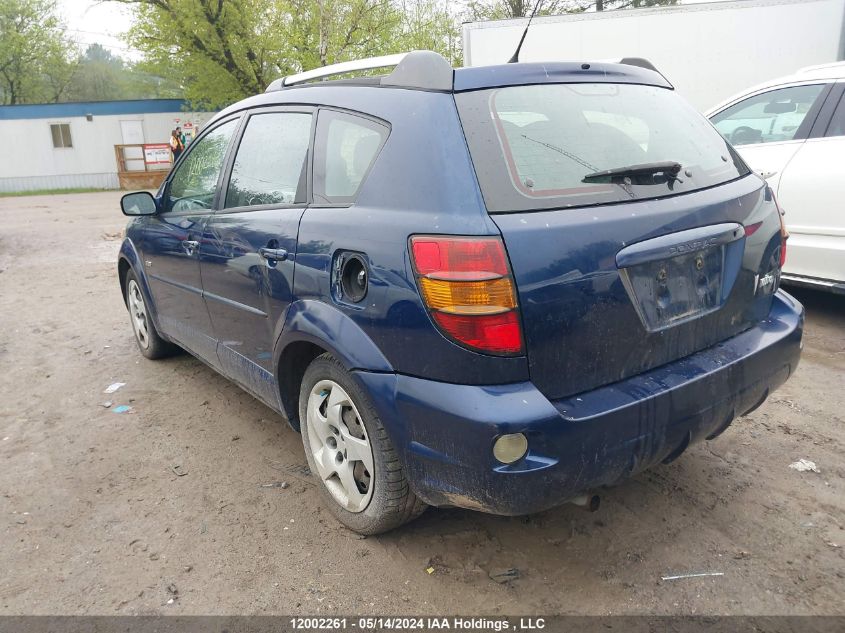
(61, 135)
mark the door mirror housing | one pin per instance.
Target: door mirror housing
(138, 203)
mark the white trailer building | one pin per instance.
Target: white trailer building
(707, 51)
(70, 145)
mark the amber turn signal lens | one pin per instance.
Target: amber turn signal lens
(469, 297)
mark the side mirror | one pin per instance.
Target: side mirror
(780, 108)
(139, 203)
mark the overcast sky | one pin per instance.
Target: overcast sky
(96, 21)
(92, 21)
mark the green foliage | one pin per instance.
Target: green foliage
(225, 50)
(101, 76)
(36, 59)
(38, 63)
(49, 192)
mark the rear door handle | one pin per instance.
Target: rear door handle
(190, 246)
(273, 254)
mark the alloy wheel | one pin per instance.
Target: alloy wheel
(339, 445)
(138, 314)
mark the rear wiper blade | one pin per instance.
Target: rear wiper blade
(671, 169)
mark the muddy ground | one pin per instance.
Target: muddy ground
(94, 520)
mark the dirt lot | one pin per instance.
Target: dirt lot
(95, 521)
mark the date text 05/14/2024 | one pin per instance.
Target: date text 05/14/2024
(406, 623)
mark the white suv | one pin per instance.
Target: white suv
(791, 130)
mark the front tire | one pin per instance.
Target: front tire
(348, 451)
(149, 342)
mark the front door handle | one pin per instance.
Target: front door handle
(190, 246)
(273, 254)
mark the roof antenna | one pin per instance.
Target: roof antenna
(515, 58)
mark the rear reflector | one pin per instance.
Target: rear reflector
(466, 284)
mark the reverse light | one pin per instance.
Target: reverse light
(466, 284)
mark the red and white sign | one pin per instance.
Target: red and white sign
(157, 154)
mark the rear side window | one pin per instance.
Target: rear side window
(769, 117)
(345, 148)
(269, 167)
(539, 147)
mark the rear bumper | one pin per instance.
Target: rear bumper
(445, 432)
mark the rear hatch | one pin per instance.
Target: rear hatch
(636, 234)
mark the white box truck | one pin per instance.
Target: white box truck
(707, 51)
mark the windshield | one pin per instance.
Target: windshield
(535, 147)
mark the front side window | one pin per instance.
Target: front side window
(344, 149)
(194, 184)
(548, 146)
(61, 135)
(768, 117)
(270, 164)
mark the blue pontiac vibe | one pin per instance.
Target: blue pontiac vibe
(498, 288)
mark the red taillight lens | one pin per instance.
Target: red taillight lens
(459, 258)
(493, 333)
(466, 284)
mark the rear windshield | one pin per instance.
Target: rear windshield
(539, 147)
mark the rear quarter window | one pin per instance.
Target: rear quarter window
(533, 146)
(345, 148)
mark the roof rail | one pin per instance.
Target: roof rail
(425, 70)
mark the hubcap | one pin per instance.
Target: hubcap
(340, 446)
(138, 314)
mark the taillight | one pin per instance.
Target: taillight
(466, 284)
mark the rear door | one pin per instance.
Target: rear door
(620, 272)
(172, 239)
(249, 254)
(812, 190)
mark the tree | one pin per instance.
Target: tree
(98, 76)
(101, 76)
(224, 50)
(36, 59)
(219, 50)
(430, 25)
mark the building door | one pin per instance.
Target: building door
(133, 134)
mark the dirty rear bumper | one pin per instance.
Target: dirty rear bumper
(445, 432)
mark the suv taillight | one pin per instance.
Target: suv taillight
(466, 284)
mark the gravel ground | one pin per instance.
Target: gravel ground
(94, 520)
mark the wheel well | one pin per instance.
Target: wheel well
(292, 365)
(122, 270)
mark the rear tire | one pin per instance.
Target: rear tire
(348, 451)
(149, 342)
